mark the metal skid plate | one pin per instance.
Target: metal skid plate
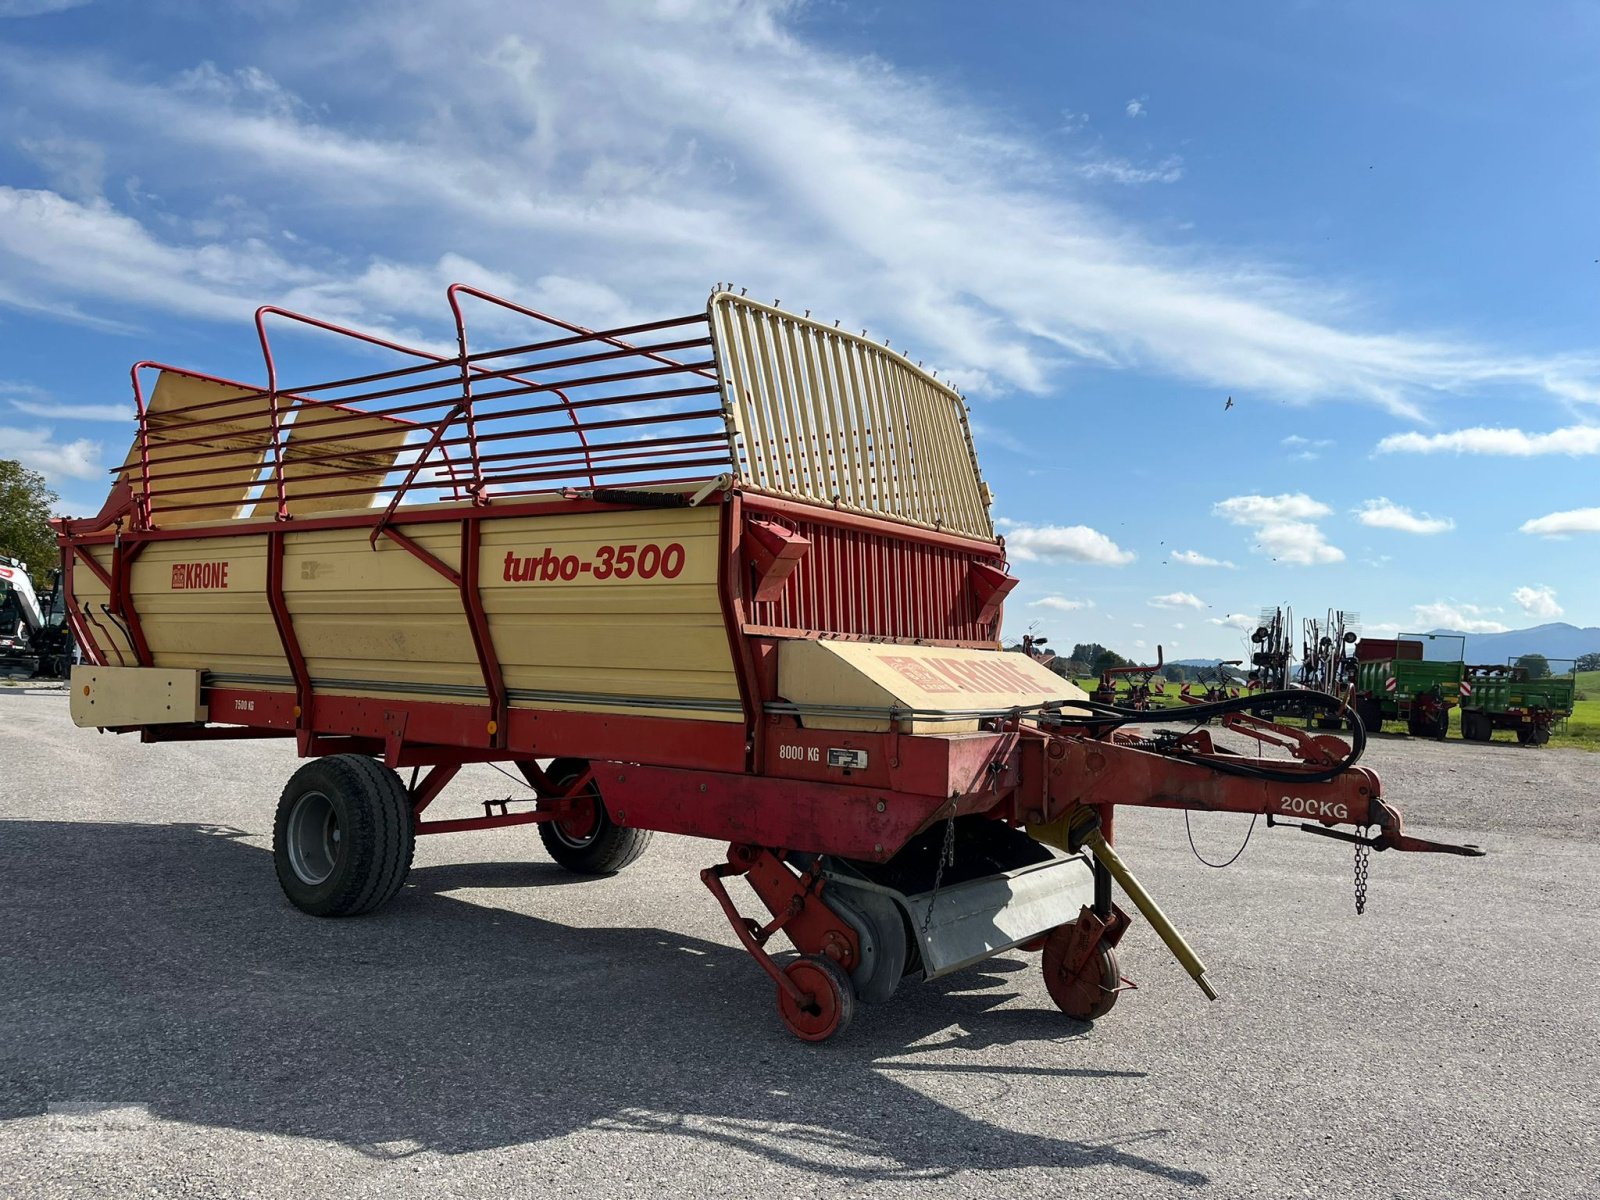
(965, 923)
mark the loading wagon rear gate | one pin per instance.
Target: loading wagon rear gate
(729, 575)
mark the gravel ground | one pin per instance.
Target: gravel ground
(170, 1026)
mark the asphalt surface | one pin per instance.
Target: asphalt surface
(170, 1026)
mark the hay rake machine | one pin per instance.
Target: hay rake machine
(730, 575)
(1143, 685)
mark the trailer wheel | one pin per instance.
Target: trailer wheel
(343, 838)
(1088, 993)
(583, 838)
(832, 999)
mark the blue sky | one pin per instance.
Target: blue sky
(1372, 225)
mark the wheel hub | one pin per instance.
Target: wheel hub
(313, 838)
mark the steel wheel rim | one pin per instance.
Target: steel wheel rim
(563, 833)
(820, 1019)
(312, 838)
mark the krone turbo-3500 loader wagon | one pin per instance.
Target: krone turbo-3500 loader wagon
(730, 575)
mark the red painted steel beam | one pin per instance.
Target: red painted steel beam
(443, 732)
(432, 784)
(555, 504)
(730, 595)
(861, 823)
(482, 637)
(123, 556)
(760, 503)
(423, 554)
(464, 824)
(278, 603)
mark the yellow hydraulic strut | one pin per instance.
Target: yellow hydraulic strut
(1082, 828)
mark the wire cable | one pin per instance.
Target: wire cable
(1218, 866)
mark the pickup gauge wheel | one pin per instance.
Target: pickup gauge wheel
(830, 1000)
(582, 837)
(1088, 993)
(343, 838)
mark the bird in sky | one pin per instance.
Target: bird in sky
(1228, 405)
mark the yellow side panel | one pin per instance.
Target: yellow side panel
(607, 630)
(609, 611)
(379, 614)
(365, 450)
(203, 604)
(926, 680)
(235, 439)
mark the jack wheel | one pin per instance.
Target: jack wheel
(1089, 993)
(831, 1000)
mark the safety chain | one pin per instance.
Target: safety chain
(1363, 851)
(947, 858)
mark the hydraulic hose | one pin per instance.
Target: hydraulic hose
(1104, 718)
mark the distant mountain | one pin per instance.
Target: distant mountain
(1556, 640)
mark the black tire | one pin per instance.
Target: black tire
(602, 849)
(344, 836)
(1525, 736)
(1441, 725)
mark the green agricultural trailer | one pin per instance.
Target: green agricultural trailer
(1394, 682)
(1506, 697)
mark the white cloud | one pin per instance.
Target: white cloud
(1284, 526)
(1537, 601)
(1074, 543)
(1559, 524)
(1177, 600)
(1238, 621)
(97, 253)
(37, 448)
(75, 412)
(1193, 558)
(1306, 449)
(582, 140)
(73, 166)
(1120, 170)
(1574, 441)
(1383, 513)
(1458, 618)
(1134, 108)
(1271, 510)
(1060, 603)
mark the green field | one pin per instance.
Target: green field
(1581, 731)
